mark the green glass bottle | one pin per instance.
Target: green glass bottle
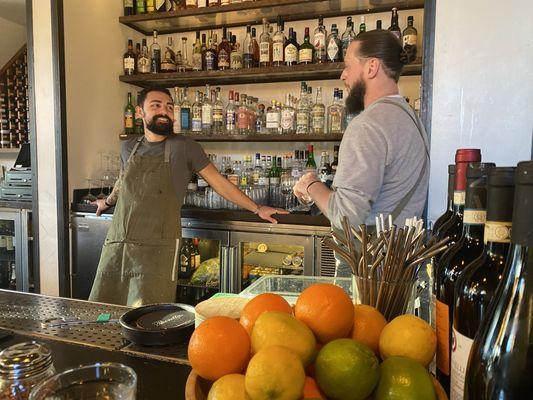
(310, 165)
(129, 113)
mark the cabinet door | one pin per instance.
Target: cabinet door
(88, 236)
(12, 272)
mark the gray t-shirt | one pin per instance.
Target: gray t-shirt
(186, 157)
(380, 159)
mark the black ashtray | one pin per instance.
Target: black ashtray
(158, 324)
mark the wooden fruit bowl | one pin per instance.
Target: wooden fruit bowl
(196, 387)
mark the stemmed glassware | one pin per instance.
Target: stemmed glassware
(89, 197)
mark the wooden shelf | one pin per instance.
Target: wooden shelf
(259, 138)
(303, 72)
(252, 13)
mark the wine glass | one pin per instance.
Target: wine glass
(89, 197)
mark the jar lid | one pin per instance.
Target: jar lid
(24, 360)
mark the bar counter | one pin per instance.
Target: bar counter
(161, 371)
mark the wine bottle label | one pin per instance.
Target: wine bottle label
(409, 40)
(129, 64)
(333, 50)
(223, 59)
(277, 52)
(319, 40)
(461, 346)
(443, 337)
(128, 120)
(264, 52)
(291, 53)
(474, 217)
(459, 197)
(306, 55)
(499, 232)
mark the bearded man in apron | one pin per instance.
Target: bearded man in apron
(139, 256)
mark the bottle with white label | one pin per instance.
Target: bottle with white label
(477, 285)
(318, 114)
(410, 37)
(303, 112)
(278, 44)
(288, 117)
(265, 46)
(334, 45)
(196, 114)
(307, 50)
(319, 42)
(291, 49)
(207, 112)
(273, 119)
(129, 59)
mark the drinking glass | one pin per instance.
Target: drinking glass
(101, 195)
(100, 381)
(89, 197)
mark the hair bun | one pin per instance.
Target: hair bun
(404, 57)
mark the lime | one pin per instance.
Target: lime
(404, 379)
(347, 370)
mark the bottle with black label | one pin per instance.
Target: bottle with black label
(185, 260)
(394, 27)
(129, 59)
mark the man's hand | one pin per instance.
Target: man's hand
(266, 212)
(300, 189)
(102, 206)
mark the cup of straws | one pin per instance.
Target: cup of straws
(386, 263)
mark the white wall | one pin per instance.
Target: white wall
(12, 39)
(94, 44)
(482, 86)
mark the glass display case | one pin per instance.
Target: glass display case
(15, 255)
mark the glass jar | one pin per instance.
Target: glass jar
(23, 366)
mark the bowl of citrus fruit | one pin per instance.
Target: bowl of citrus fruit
(324, 347)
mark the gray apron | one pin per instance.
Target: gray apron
(138, 261)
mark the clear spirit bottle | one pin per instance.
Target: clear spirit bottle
(196, 114)
(302, 112)
(155, 54)
(231, 113)
(319, 42)
(265, 46)
(207, 112)
(318, 114)
(288, 117)
(218, 114)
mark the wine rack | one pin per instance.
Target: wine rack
(14, 101)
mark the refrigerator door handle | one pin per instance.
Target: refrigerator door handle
(224, 269)
(232, 268)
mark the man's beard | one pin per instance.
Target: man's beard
(159, 127)
(355, 102)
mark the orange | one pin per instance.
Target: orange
(260, 304)
(311, 389)
(327, 310)
(219, 346)
(367, 326)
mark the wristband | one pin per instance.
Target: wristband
(308, 186)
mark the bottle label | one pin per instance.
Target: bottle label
(202, 183)
(287, 119)
(442, 319)
(263, 181)
(207, 116)
(230, 120)
(255, 177)
(306, 55)
(168, 65)
(197, 61)
(236, 60)
(409, 40)
(128, 3)
(192, 187)
(264, 52)
(336, 124)
(277, 52)
(333, 50)
(499, 232)
(197, 261)
(274, 180)
(185, 118)
(184, 262)
(242, 120)
(474, 217)
(128, 120)
(223, 59)
(191, 3)
(218, 115)
(302, 120)
(210, 61)
(319, 40)
(318, 121)
(143, 65)
(272, 120)
(129, 64)
(459, 197)
(291, 53)
(177, 119)
(461, 346)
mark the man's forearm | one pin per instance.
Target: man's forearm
(113, 196)
(320, 193)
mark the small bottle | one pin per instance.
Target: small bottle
(197, 53)
(140, 7)
(169, 60)
(236, 54)
(302, 112)
(288, 117)
(247, 49)
(184, 65)
(243, 117)
(150, 6)
(155, 54)
(273, 119)
(362, 25)
(224, 51)
(335, 115)
(210, 56)
(129, 114)
(265, 46)
(138, 124)
(319, 42)
(255, 48)
(207, 112)
(394, 27)
(306, 52)
(143, 62)
(379, 25)
(129, 59)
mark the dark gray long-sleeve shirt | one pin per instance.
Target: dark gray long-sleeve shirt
(380, 159)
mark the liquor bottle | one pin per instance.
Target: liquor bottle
(477, 284)
(137, 53)
(273, 119)
(236, 59)
(257, 170)
(196, 114)
(140, 7)
(129, 59)
(449, 211)
(410, 37)
(143, 61)
(169, 60)
(129, 113)
(247, 49)
(210, 55)
(138, 125)
(184, 64)
(394, 27)
(348, 36)
(185, 270)
(197, 53)
(260, 122)
(325, 171)
(318, 114)
(202, 3)
(310, 165)
(155, 55)
(218, 114)
(243, 116)
(265, 46)
(224, 51)
(288, 117)
(150, 6)
(255, 47)
(319, 42)
(306, 52)
(207, 112)
(213, 3)
(334, 45)
(278, 44)
(379, 25)
(191, 3)
(230, 115)
(196, 252)
(185, 113)
(335, 114)
(263, 174)
(176, 127)
(362, 25)
(291, 49)
(302, 112)
(467, 248)
(335, 162)
(500, 361)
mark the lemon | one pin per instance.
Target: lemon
(229, 387)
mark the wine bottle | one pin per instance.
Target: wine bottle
(501, 359)
(467, 248)
(449, 211)
(477, 284)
